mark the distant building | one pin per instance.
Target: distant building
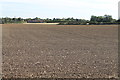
(35, 21)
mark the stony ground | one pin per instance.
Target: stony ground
(34, 50)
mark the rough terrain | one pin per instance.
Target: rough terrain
(60, 51)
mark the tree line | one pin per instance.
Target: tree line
(94, 20)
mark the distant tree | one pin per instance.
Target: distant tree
(108, 18)
(19, 19)
(36, 18)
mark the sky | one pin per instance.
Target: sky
(82, 9)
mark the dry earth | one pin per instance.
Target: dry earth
(74, 51)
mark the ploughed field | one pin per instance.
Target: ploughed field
(60, 51)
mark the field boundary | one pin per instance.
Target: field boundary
(43, 23)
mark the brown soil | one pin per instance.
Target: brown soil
(58, 51)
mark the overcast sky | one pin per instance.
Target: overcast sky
(58, 8)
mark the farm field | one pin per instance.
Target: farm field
(59, 51)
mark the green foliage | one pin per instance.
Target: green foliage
(94, 20)
(7, 20)
(106, 19)
(72, 21)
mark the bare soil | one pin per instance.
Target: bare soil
(60, 51)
